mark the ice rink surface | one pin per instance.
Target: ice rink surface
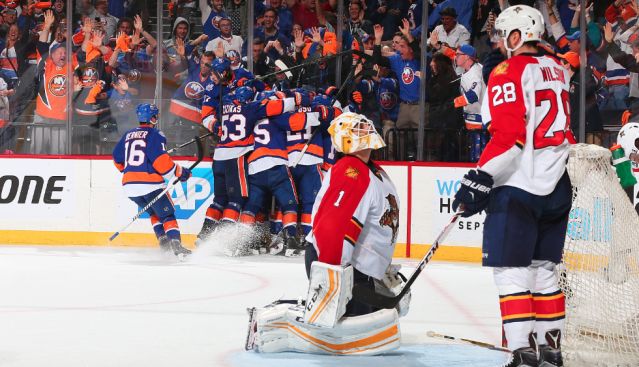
(120, 307)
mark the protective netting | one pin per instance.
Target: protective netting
(600, 272)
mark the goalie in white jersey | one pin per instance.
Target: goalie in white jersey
(522, 183)
(355, 223)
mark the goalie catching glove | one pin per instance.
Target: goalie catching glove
(474, 192)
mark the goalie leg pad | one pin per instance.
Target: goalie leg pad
(329, 291)
(279, 329)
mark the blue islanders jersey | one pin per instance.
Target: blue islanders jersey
(388, 98)
(408, 81)
(141, 156)
(238, 123)
(270, 139)
(326, 115)
(187, 99)
(295, 142)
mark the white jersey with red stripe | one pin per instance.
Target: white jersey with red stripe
(527, 102)
(356, 217)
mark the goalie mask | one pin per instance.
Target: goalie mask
(352, 132)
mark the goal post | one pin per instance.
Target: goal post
(600, 270)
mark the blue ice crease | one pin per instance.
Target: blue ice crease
(423, 355)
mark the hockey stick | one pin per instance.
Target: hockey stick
(433, 334)
(189, 142)
(200, 155)
(350, 75)
(369, 296)
(313, 62)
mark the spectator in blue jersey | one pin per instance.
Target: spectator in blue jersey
(406, 65)
(212, 13)
(284, 16)
(274, 39)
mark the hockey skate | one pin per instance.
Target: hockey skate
(550, 354)
(278, 243)
(165, 243)
(526, 356)
(294, 247)
(180, 251)
(207, 230)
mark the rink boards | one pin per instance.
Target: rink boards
(80, 201)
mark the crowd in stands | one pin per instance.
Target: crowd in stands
(116, 54)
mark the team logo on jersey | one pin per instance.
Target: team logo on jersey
(501, 68)
(390, 218)
(352, 172)
(89, 76)
(58, 85)
(408, 75)
(194, 90)
(235, 58)
(216, 21)
(388, 100)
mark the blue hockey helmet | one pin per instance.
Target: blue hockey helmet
(265, 94)
(147, 113)
(244, 94)
(322, 100)
(221, 65)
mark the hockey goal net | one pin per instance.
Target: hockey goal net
(600, 270)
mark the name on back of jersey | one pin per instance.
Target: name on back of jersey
(136, 135)
(552, 74)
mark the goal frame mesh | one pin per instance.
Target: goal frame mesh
(599, 274)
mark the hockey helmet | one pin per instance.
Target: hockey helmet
(148, 113)
(266, 94)
(221, 65)
(525, 19)
(351, 132)
(244, 94)
(628, 138)
(322, 100)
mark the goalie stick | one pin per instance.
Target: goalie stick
(433, 334)
(364, 294)
(200, 155)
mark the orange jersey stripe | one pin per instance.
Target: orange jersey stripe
(119, 166)
(186, 111)
(297, 121)
(313, 149)
(275, 107)
(163, 164)
(267, 152)
(141, 177)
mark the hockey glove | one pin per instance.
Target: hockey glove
(473, 193)
(185, 174)
(357, 97)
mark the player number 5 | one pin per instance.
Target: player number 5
(503, 93)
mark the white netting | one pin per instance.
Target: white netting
(600, 275)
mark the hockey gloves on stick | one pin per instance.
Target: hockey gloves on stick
(186, 173)
(473, 193)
